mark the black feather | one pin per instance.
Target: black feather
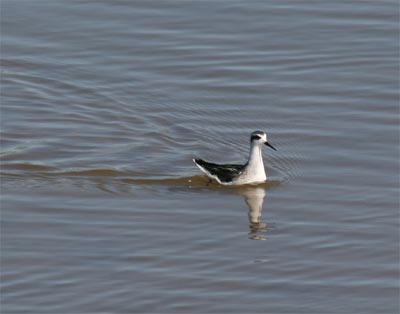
(225, 173)
(255, 137)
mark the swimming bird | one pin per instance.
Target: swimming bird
(249, 173)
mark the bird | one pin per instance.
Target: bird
(252, 172)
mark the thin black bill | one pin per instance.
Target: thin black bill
(268, 144)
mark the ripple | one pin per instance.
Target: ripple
(103, 106)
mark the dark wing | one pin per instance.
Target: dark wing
(226, 173)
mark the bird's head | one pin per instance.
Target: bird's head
(259, 137)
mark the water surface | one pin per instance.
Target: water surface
(105, 103)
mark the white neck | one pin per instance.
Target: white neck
(255, 164)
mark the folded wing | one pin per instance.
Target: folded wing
(223, 173)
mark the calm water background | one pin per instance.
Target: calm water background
(103, 105)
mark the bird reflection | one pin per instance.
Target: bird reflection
(254, 198)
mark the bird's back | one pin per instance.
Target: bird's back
(225, 173)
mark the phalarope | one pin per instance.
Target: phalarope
(251, 172)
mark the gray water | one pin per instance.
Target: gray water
(105, 103)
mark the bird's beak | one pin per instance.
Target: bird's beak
(268, 144)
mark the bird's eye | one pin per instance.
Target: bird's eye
(255, 137)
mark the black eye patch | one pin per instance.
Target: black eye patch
(255, 137)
